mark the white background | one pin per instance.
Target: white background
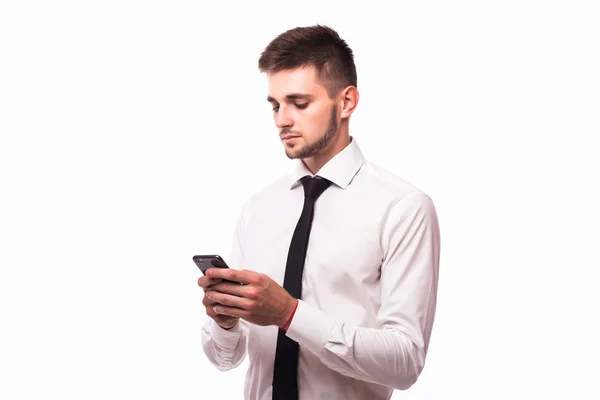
(133, 131)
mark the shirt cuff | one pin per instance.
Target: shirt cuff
(225, 337)
(311, 327)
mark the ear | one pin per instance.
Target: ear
(348, 101)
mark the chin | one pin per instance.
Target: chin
(292, 153)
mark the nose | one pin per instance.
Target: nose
(283, 118)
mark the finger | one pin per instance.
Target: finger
(231, 311)
(211, 313)
(244, 277)
(220, 318)
(206, 302)
(206, 281)
(229, 300)
(234, 289)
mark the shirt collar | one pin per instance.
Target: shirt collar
(340, 170)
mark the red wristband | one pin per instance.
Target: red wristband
(285, 326)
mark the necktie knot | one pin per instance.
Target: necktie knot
(314, 186)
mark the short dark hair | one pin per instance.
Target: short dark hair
(318, 46)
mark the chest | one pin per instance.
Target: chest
(343, 258)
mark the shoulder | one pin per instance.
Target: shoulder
(406, 208)
(399, 201)
(390, 186)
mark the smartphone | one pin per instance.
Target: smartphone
(207, 261)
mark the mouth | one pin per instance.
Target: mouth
(286, 138)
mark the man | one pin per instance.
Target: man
(339, 272)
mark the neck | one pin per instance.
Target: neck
(315, 163)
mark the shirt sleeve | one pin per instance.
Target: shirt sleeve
(226, 348)
(393, 353)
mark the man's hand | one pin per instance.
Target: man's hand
(259, 300)
(224, 321)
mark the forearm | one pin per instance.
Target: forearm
(225, 349)
(384, 356)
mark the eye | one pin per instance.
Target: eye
(300, 106)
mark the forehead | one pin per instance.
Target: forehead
(299, 80)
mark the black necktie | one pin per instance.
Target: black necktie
(285, 369)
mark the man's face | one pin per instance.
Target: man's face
(305, 115)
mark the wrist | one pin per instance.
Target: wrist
(290, 316)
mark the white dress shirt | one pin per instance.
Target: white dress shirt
(369, 284)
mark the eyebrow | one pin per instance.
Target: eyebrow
(293, 96)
